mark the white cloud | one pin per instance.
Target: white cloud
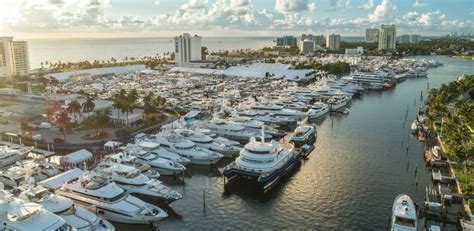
(312, 7)
(291, 6)
(195, 5)
(384, 12)
(417, 3)
(157, 2)
(368, 5)
(217, 15)
(239, 3)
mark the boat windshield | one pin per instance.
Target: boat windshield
(405, 221)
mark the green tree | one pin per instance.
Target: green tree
(62, 120)
(74, 107)
(88, 106)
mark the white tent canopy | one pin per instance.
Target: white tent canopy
(112, 144)
(57, 181)
(77, 157)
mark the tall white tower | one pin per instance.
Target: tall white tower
(187, 48)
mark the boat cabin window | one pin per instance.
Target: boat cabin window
(405, 221)
(257, 152)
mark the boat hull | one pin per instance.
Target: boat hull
(265, 182)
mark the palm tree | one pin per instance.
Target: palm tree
(120, 102)
(88, 106)
(50, 114)
(131, 102)
(73, 108)
(62, 119)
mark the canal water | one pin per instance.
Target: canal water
(361, 162)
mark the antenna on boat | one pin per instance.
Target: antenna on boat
(263, 134)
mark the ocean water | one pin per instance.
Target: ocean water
(361, 162)
(70, 50)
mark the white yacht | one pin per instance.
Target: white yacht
(279, 111)
(18, 215)
(233, 131)
(163, 153)
(337, 102)
(164, 166)
(368, 80)
(207, 142)
(129, 160)
(77, 217)
(403, 214)
(304, 134)
(262, 162)
(103, 197)
(15, 175)
(9, 155)
(256, 126)
(187, 149)
(318, 110)
(130, 179)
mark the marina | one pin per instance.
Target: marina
(278, 152)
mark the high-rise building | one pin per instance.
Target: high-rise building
(371, 35)
(387, 37)
(287, 41)
(187, 48)
(14, 59)
(307, 46)
(333, 42)
(414, 38)
(317, 39)
(405, 38)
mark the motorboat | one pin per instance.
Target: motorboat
(263, 163)
(162, 165)
(403, 214)
(77, 217)
(337, 102)
(225, 147)
(15, 175)
(9, 155)
(130, 179)
(414, 127)
(18, 215)
(279, 111)
(187, 149)
(163, 153)
(232, 131)
(304, 134)
(103, 197)
(130, 160)
(256, 126)
(317, 110)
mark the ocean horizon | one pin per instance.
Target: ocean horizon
(80, 49)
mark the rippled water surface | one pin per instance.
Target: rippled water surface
(360, 164)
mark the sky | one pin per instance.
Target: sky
(166, 18)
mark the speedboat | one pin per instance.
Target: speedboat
(414, 127)
(130, 179)
(18, 215)
(263, 163)
(317, 110)
(304, 134)
(77, 217)
(403, 214)
(103, 197)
